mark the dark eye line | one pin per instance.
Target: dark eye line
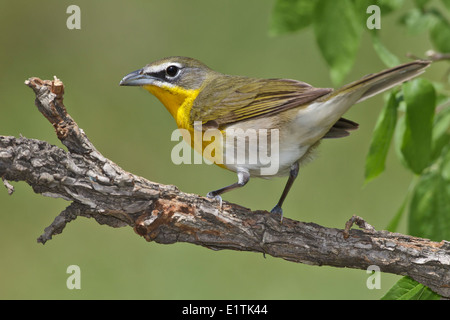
(159, 74)
(163, 74)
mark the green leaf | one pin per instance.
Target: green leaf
(429, 212)
(388, 58)
(445, 165)
(387, 6)
(393, 224)
(291, 15)
(409, 289)
(338, 35)
(420, 99)
(381, 139)
(398, 138)
(421, 3)
(417, 21)
(446, 3)
(441, 131)
(440, 35)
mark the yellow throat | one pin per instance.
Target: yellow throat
(178, 101)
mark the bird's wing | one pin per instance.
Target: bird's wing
(237, 98)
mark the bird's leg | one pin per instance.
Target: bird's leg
(292, 176)
(243, 178)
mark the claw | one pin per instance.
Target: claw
(277, 210)
(217, 198)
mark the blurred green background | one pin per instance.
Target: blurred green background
(131, 127)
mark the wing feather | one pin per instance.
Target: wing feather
(235, 99)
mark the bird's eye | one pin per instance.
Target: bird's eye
(172, 71)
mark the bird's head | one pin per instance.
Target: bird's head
(182, 72)
(173, 80)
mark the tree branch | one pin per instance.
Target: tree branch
(100, 189)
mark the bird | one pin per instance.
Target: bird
(290, 115)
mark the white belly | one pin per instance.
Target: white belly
(297, 138)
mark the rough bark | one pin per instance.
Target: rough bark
(100, 189)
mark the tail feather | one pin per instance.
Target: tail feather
(385, 80)
(335, 104)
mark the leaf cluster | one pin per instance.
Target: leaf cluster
(416, 117)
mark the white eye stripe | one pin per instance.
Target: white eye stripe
(162, 67)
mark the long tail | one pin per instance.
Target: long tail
(384, 80)
(331, 107)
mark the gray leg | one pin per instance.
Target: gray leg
(243, 178)
(292, 176)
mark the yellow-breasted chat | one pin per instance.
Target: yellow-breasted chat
(283, 118)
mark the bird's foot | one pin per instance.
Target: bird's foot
(218, 198)
(277, 210)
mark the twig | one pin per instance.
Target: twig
(431, 55)
(98, 188)
(8, 186)
(360, 222)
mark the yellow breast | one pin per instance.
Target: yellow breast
(179, 102)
